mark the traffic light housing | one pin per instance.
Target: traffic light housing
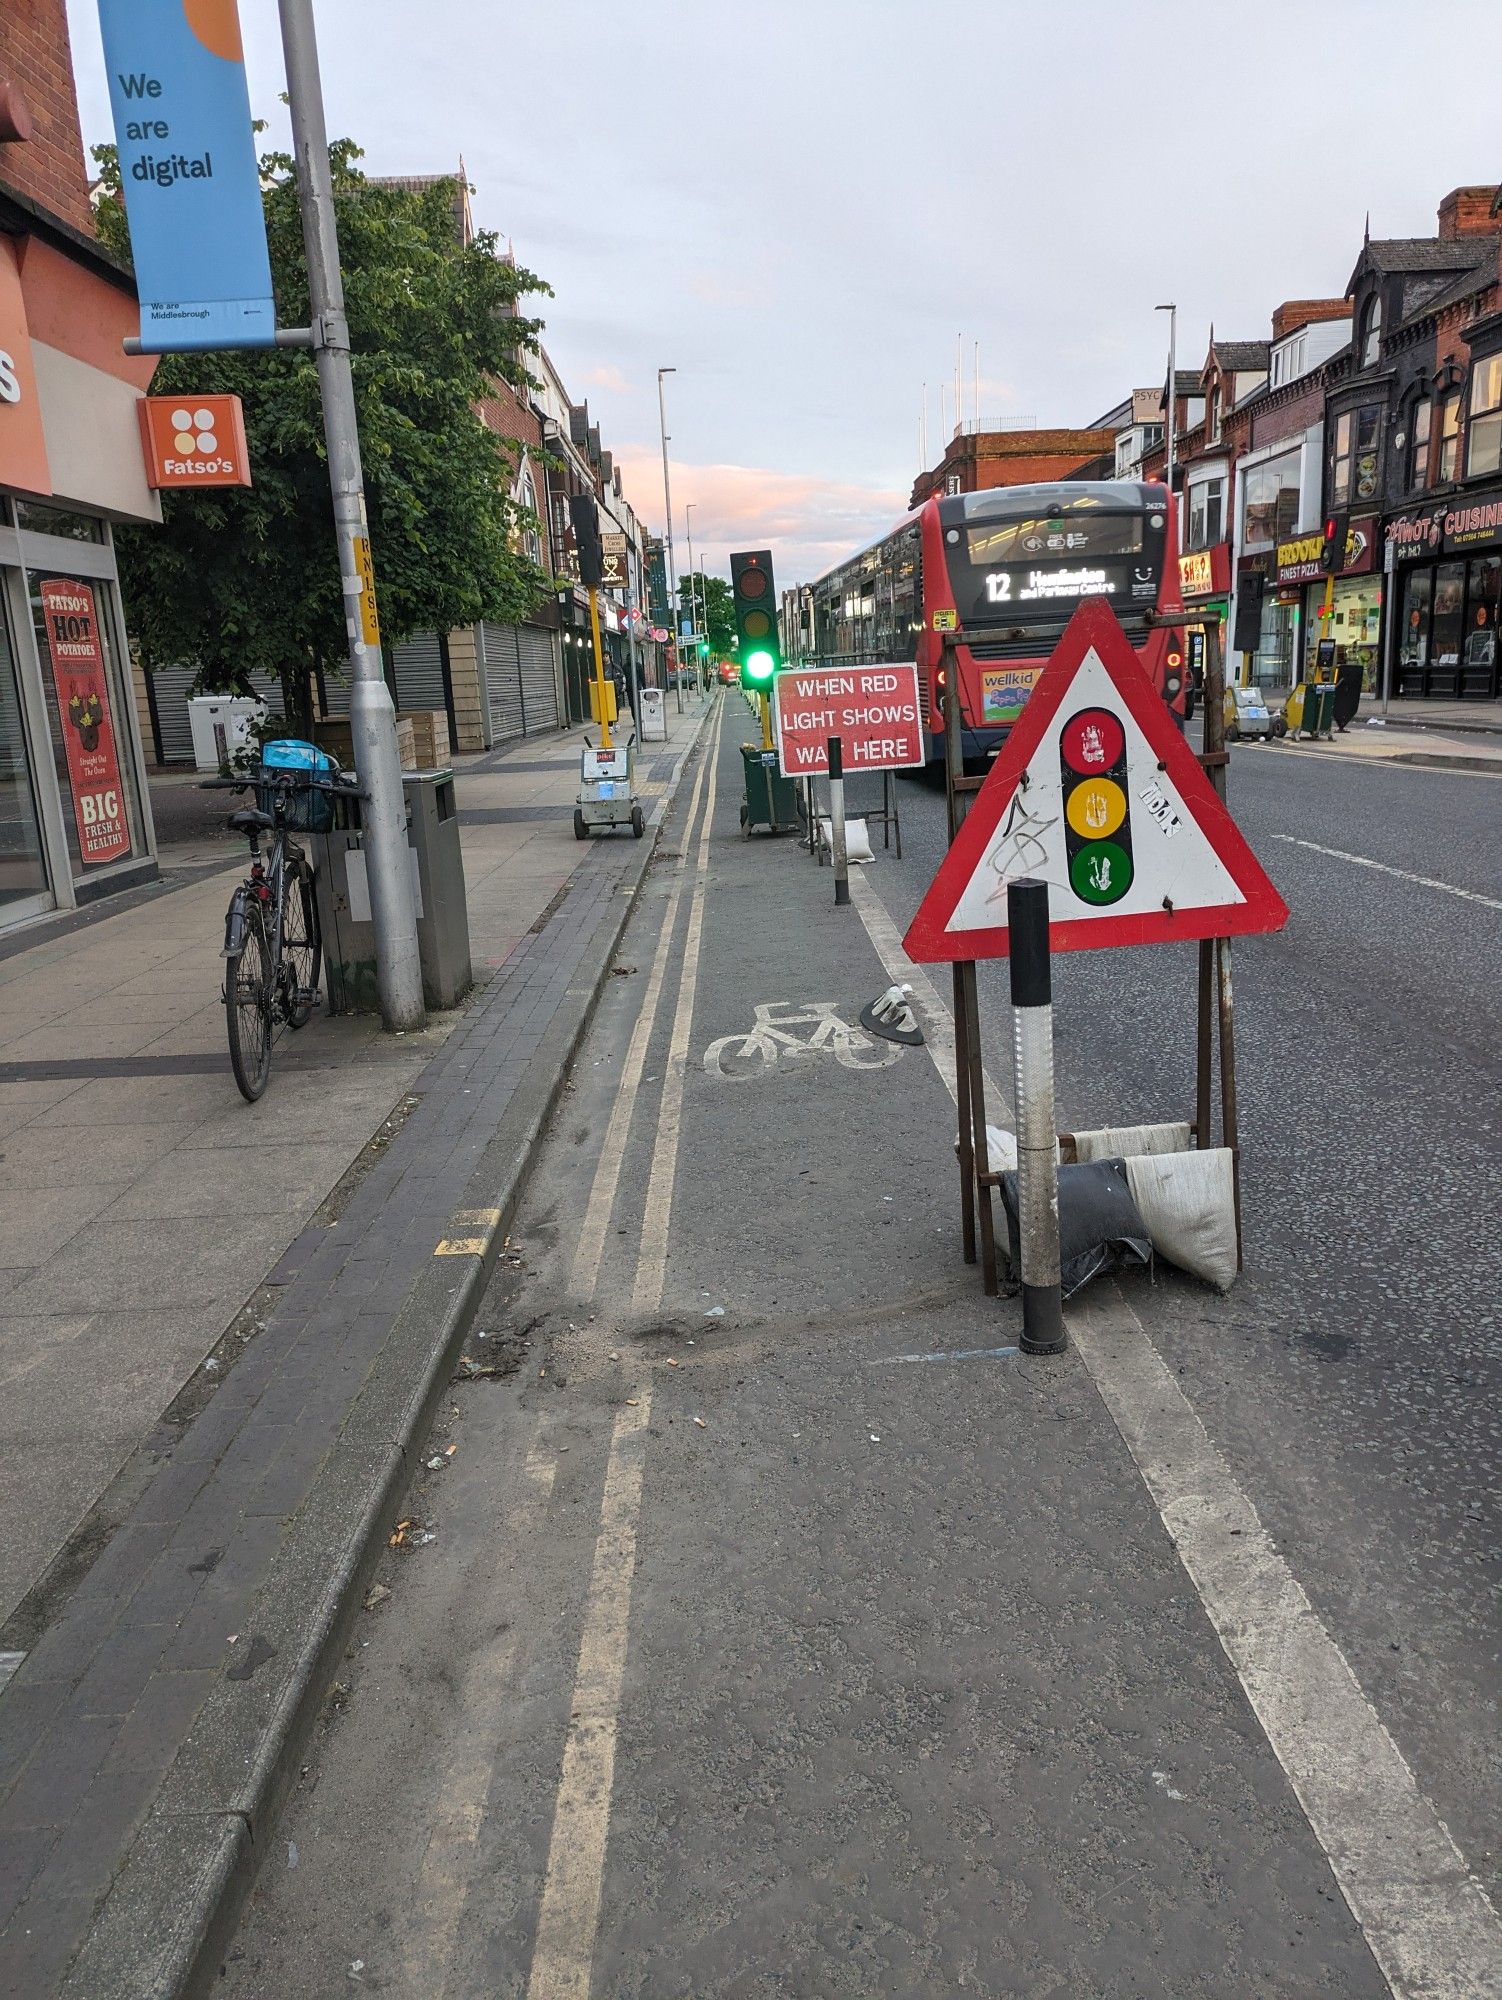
(1332, 553)
(585, 515)
(1097, 807)
(755, 601)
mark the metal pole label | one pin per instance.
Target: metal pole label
(370, 623)
(189, 171)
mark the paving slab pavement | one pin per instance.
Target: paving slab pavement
(134, 1179)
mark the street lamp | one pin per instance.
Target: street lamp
(693, 587)
(667, 501)
(1173, 392)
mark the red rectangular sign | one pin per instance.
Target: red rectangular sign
(873, 710)
(83, 698)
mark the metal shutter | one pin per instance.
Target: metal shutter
(420, 679)
(537, 648)
(504, 681)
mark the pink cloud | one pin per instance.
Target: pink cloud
(808, 524)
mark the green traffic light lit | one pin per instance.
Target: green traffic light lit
(758, 666)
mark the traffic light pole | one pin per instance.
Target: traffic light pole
(372, 712)
(594, 628)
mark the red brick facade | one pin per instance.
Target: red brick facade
(1467, 211)
(37, 63)
(1017, 458)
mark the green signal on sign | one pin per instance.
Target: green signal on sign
(1101, 872)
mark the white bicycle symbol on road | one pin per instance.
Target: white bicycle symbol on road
(737, 1058)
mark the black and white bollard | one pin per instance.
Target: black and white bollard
(837, 821)
(1037, 1141)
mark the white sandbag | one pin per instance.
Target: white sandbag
(1001, 1150)
(1188, 1202)
(857, 839)
(1122, 1142)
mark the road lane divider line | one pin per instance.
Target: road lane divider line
(1427, 1921)
(1382, 868)
(651, 1268)
(585, 1272)
(446, 1874)
(569, 1917)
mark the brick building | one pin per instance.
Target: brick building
(75, 821)
(976, 459)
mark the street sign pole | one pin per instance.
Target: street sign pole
(371, 710)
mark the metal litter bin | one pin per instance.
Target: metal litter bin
(343, 891)
(442, 911)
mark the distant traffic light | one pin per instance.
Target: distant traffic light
(585, 515)
(755, 619)
(1332, 553)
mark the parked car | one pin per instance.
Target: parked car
(1247, 715)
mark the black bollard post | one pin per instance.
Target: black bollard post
(1037, 1142)
(837, 821)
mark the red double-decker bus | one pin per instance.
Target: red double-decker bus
(1008, 566)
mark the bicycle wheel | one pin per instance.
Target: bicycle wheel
(302, 948)
(247, 1003)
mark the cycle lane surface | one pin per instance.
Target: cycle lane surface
(806, 1666)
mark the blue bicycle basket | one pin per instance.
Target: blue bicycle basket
(306, 810)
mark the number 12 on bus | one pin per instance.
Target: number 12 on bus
(1007, 566)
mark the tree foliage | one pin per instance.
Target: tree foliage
(716, 608)
(246, 580)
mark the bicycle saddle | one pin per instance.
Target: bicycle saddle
(249, 820)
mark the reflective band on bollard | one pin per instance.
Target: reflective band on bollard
(1037, 1143)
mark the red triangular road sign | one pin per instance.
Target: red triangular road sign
(1097, 794)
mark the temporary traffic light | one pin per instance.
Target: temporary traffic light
(585, 515)
(1333, 552)
(1097, 814)
(755, 619)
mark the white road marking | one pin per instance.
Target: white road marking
(570, 1914)
(466, 1769)
(651, 1265)
(1427, 1921)
(1402, 874)
(591, 1245)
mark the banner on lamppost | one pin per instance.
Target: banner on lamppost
(189, 171)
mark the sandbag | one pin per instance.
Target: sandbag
(1122, 1142)
(1100, 1226)
(857, 839)
(1188, 1203)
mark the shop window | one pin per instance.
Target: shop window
(36, 519)
(1483, 595)
(87, 718)
(1413, 642)
(23, 867)
(1355, 463)
(1449, 437)
(1447, 623)
(1483, 450)
(1418, 443)
(1207, 508)
(1371, 331)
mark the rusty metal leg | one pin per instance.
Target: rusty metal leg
(1203, 1132)
(1229, 1131)
(966, 1130)
(984, 1193)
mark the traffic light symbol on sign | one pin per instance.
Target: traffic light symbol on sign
(755, 604)
(1097, 811)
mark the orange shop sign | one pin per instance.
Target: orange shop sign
(23, 439)
(194, 441)
(1202, 572)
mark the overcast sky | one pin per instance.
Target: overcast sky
(799, 206)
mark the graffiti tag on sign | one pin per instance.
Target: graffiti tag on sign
(81, 683)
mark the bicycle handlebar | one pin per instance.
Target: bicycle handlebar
(346, 786)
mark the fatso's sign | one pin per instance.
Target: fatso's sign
(194, 441)
(875, 712)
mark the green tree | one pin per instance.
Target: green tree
(244, 580)
(715, 605)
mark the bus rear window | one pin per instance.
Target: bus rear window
(1041, 565)
(1070, 538)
